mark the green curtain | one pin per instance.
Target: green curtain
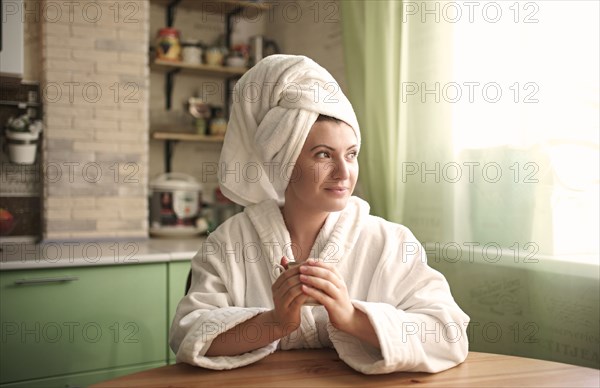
(387, 59)
(372, 41)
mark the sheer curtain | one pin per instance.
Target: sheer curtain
(480, 125)
(542, 131)
(480, 120)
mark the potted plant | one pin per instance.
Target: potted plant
(22, 135)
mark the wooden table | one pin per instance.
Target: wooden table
(323, 368)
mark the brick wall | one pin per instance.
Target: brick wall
(95, 81)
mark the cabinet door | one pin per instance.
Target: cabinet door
(11, 54)
(178, 272)
(103, 317)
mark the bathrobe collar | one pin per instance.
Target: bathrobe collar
(337, 236)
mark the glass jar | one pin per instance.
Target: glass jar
(214, 56)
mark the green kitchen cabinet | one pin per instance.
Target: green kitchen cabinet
(82, 379)
(178, 273)
(77, 320)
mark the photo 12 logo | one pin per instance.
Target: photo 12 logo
(92, 92)
(71, 172)
(69, 252)
(469, 91)
(469, 172)
(322, 11)
(470, 11)
(84, 12)
(469, 251)
(289, 92)
(68, 332)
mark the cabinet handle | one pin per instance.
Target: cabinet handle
(62, 279)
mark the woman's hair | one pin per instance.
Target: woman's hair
(328, 118)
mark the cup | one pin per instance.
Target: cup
(293, 264)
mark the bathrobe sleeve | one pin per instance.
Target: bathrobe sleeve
(208, 310)
(419, 326)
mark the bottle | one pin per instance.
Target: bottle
(218, 125)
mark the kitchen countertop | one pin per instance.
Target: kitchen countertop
(59, 254)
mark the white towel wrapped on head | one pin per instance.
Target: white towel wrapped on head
(275, 105)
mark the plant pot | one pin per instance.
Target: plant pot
(22, 146)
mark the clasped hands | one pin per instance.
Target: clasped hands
(312, 279)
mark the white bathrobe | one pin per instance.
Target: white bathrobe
(417, 322)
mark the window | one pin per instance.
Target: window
(525, 96)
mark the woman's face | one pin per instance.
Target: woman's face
(326, 171)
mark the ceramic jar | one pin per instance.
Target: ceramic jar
(168, 47)
(192, 52)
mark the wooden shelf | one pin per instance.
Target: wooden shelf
(208, 70)
(217, 7)
(20, 104)
(229, 9)
(186, 136)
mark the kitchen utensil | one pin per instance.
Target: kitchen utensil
(175, 205)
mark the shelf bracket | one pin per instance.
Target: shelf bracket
(171, 12)
(229, 25)
(228, 33)
(169, 87)
(169, 145)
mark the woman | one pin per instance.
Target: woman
(290, 157)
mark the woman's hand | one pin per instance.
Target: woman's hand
(288, 299)
(323, 282)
